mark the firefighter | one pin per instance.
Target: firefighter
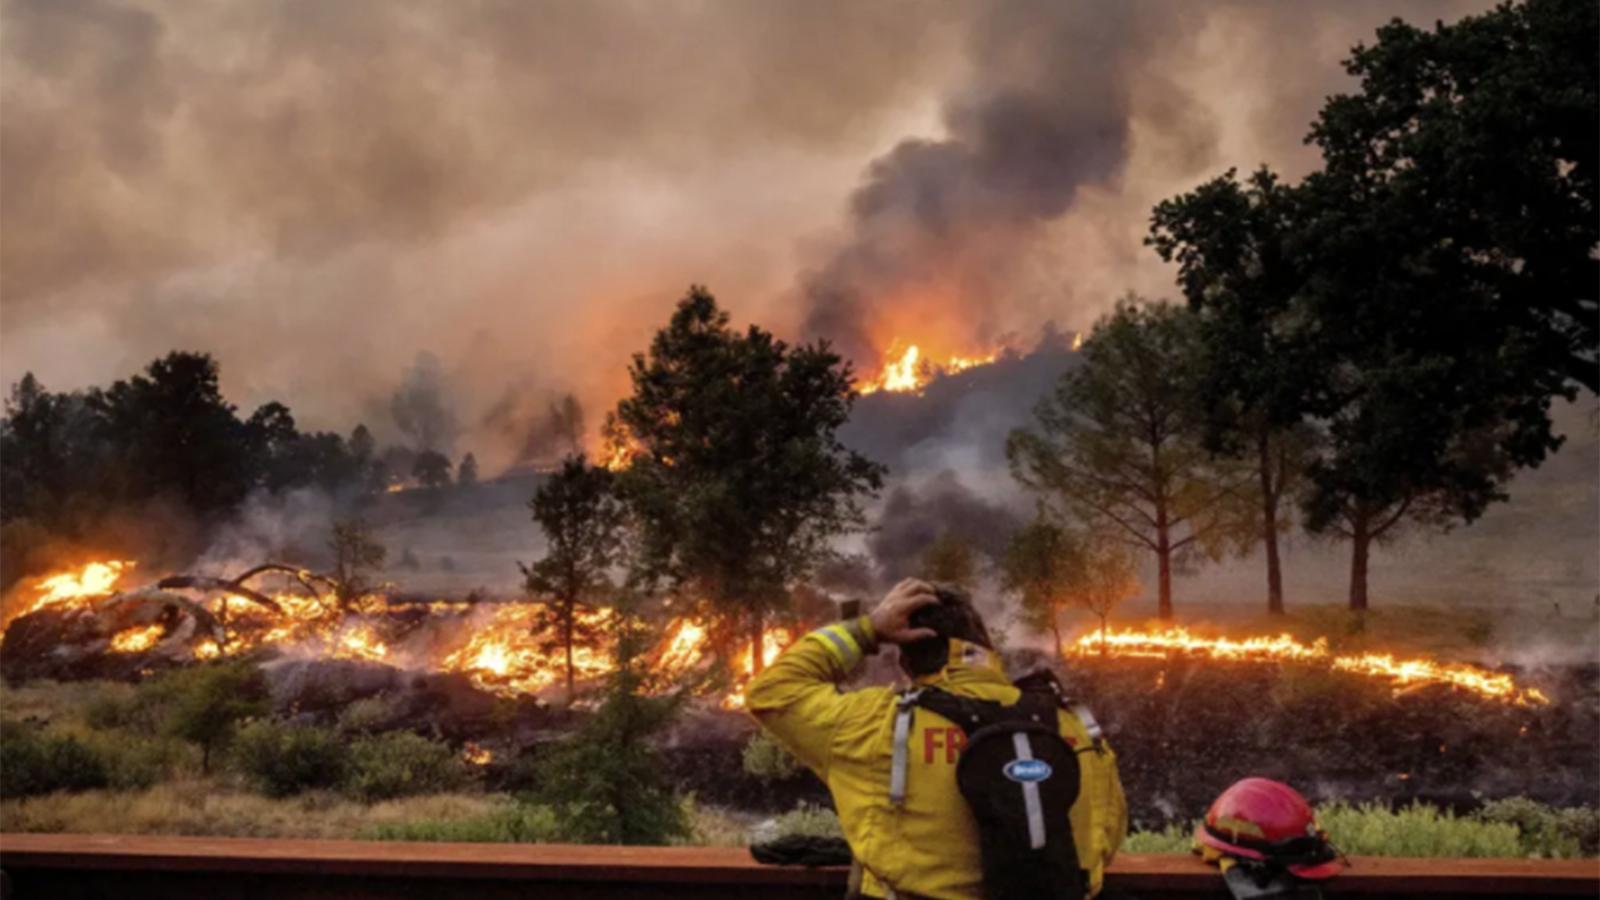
(918, 837)
(1264, 837)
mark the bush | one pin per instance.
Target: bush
(606, 783)
(1415, 830)
(1175, 838)
(134, 761)
(400, 764)
(808, 820)
(284, 759)
(766, 761)
(208, 702)
(32, 762)
(513, 823)
(1545, 830)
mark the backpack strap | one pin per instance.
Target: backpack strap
(906, 706)
(1044, 682)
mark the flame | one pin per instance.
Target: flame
(905, 369)
(137, 640)
(71, 588)
(476, 755)
(1405, 674)
(511, 655)
(773, 642)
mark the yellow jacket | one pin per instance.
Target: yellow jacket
(929, 846)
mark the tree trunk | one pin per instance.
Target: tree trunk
(1360, 544)
(1269, 525)
(756, 662)
(1164, 557)
(1055, 627)
(1104, 650)
(568, 629)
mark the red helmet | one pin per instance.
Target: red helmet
(1268, 821)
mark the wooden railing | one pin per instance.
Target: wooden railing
(67, 866)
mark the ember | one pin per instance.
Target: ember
(1404, 673)
(137, 640)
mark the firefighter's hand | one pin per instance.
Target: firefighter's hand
(891, 619)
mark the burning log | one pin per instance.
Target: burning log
(218, 585)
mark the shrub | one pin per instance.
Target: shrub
(1545, 830)
(1415, 830)
(134, 761)
(208, 702)
(283, 759)
(367, 715)
(1175, 838)
(606, 783)
(808, 820)
(513, 823)
(399, 764)
(32, 762)
(766, 761)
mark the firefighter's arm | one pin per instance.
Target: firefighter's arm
(797, 699)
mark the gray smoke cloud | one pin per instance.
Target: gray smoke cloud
(315, 192)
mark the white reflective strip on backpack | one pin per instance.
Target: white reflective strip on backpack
(902, 749)
(1089, 724)
(1030, 794)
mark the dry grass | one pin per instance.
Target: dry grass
(212, 808)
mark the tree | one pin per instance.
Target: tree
(738, 484)
(1106, 578)
(581, 520)
(1052, 568)
(1118, 444)
(173, 432)
(1039, 565)
(208, 702)
(431, 469)
(467, 472)
(1453, 294)
(1234, 245)
(607, 783)
(355, 554)
(950, 560)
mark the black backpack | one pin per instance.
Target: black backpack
(1020, 779)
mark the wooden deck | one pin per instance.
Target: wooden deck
(67, 867)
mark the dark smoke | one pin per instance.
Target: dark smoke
(914, 516)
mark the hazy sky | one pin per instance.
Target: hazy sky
(316, 192)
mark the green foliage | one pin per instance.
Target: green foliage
(36, 763)
(1546, 831)
(1089, 456)
(1514, 827)
(606, 782)
(766, 760)
(368, 714)
(76, 462)
(205, 704)
(283, 759)
(1415, 830)
(511, 823)
(808, 820)
(1174, 838)
(1239, 272)
(399, 764)
(581, 518)
(739, 485)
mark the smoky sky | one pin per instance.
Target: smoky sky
(318, 192)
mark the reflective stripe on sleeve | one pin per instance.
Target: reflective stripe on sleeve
(841, 643)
